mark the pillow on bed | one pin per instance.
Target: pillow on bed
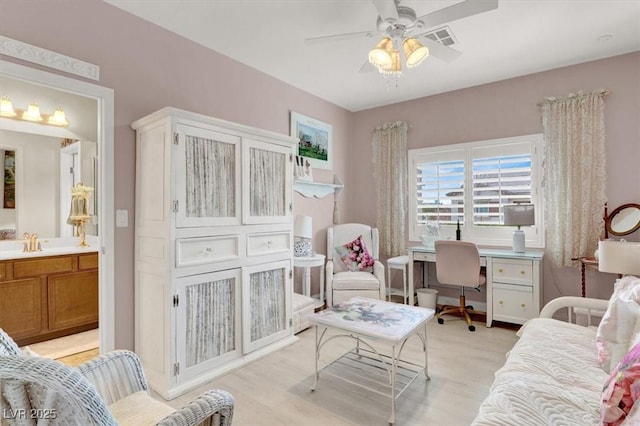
(355, 256)
(621, 390)
(620, 322)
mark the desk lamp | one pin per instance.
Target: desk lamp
(519, 215)
(619, 257)
(303, 230)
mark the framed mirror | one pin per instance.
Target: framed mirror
(623, 220)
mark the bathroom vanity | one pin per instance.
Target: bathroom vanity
(48, 294)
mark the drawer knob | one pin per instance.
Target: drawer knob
(523, 305)
(500, 270)
(269, 243)
(501, 302)
(522, 272)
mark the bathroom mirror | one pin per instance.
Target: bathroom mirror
(623, 220)
(45, 161)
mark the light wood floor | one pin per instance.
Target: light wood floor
(275, 390)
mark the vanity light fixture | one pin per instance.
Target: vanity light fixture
(32, 114)
(6, 108)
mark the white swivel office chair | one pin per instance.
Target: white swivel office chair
(458, 263)
(342, 283)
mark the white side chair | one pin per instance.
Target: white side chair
(343, 284)
(398, 262)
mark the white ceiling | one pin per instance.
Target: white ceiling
(520, 37)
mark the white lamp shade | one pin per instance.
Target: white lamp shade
(519, 215)
(302, 227)
(619, 257)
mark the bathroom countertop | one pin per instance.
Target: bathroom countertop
(50, 247)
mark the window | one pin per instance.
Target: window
(467, 184)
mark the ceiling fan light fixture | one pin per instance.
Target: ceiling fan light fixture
(414, 51)
(380, 56)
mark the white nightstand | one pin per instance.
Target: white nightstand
(307, 263)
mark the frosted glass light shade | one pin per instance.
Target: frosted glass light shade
(302, 227)
(414, 51)
(32, 113)
(6, 107)
(380, 56)
(619, 257)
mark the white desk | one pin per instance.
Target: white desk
(307, 262)
(514, 282)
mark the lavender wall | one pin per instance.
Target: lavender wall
(150, 68)
(509, 108)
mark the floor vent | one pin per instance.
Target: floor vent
(443, 36)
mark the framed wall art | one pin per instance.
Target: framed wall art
(314, 140)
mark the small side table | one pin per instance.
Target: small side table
(308, 262)
(584, 262)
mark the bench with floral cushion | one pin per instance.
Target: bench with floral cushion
(560, 372)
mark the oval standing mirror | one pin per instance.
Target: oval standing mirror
(624, 220)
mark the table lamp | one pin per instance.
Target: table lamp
(519, 215)
(78, 214)
(303, 231)
(619, 257)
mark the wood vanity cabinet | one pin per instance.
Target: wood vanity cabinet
(46, 297)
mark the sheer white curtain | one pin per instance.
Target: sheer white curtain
(575, 178)
(390, 170)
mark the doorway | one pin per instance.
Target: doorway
(103, 97)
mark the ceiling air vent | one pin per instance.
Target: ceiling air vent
(442, 35)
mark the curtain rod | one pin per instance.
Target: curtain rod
(602, 92)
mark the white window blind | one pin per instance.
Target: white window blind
(470, 183)
(440, 191)
(499, 179)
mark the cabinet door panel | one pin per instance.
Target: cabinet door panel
(73, 299)
(21, 307)
(266, 312)
(267, 181)
(207, 321)
(207, 178)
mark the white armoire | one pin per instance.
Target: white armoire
(213, 246)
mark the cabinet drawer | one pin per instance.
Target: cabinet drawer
(196, 251)
(261, 244)
(513, 271)
(43, 266)
(424, 257)
(513, 303)
(89, 261)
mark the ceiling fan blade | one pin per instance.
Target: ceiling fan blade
(340, 37)
(366, 67)
(457, 11)
(440, 51)
(386, 9)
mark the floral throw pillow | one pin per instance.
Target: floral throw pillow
(622, 389)
(355, 256)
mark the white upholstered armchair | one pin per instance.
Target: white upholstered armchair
(343, 283)
(108, 390)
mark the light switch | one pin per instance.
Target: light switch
(122, 218)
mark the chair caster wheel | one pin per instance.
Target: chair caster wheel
(440, 321)
(469, 307)
(472, 328)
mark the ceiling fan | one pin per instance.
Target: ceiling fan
(399, 25)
